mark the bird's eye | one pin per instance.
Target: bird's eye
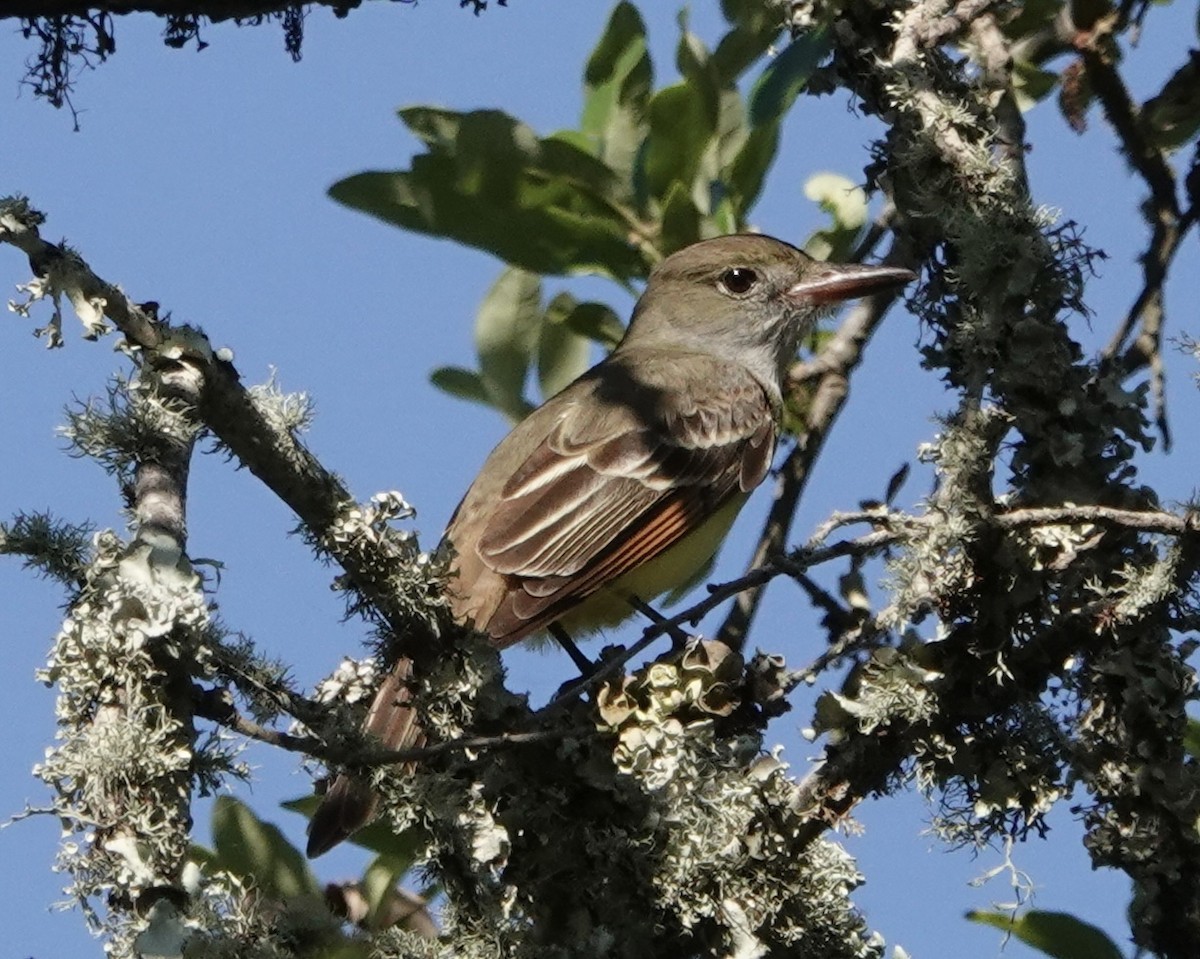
(738, 280)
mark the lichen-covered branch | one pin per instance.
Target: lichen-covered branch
(258, 426)
(139, 633)
(1017, 613)
(1028, 645)
(703, 802)
(126, 762)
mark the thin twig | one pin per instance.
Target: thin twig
(214, 709)
(1162, 214)
(842, 518)
(898, 529)
(755, 578)
(254, 685)
(1121, 111)
(211, 707)
(391, 757)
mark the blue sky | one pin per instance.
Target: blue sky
(198, 180)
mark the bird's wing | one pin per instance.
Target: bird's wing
(612, 487)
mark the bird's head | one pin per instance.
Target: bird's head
(748, 298)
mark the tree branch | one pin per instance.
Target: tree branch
(265, 447)
(898, 528)
(213, 10)
(1167, 223)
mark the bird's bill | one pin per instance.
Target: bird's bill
(845, 281)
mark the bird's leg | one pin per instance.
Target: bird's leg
(585, 666)
(678, 636)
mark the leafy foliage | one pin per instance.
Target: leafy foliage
(1056, 934)
(646, 172)
(254, 855)
(257, 852)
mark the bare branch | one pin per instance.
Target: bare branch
(213, 10)
(216, 707)
(1168, 224)
(1122, 113)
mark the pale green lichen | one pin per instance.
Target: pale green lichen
(66, 275)
(127, 761)
(131, 418)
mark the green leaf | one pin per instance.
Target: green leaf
(749, 168)
(617, 83)
(563, 353)
(625, 31)
(379, 880)
(506, 331)
(576, 138)
(256, 850)
(1031, 84)
(1171, 119)
(846, 203)
(563, 155)
(746, 13)
(544, 239)
(694, 63)
(464, 384)
(487, 181)
(434, 126)
(1191, 738)
(691, 55)
(725, 218)
(711, 192)
(491, 149)
(377, 836)
(1030, 18)
(840, 197)
(744, 46)
(680, 220)
(1057, 934)
(732, 131)
(681, 126)
(204, 857)
(784, 77)
(597, 322)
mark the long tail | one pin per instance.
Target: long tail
(350, 802)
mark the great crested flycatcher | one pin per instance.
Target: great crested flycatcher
(623, 485)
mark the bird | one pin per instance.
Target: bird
(622, 486)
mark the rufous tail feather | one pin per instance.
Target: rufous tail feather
(351, 802)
